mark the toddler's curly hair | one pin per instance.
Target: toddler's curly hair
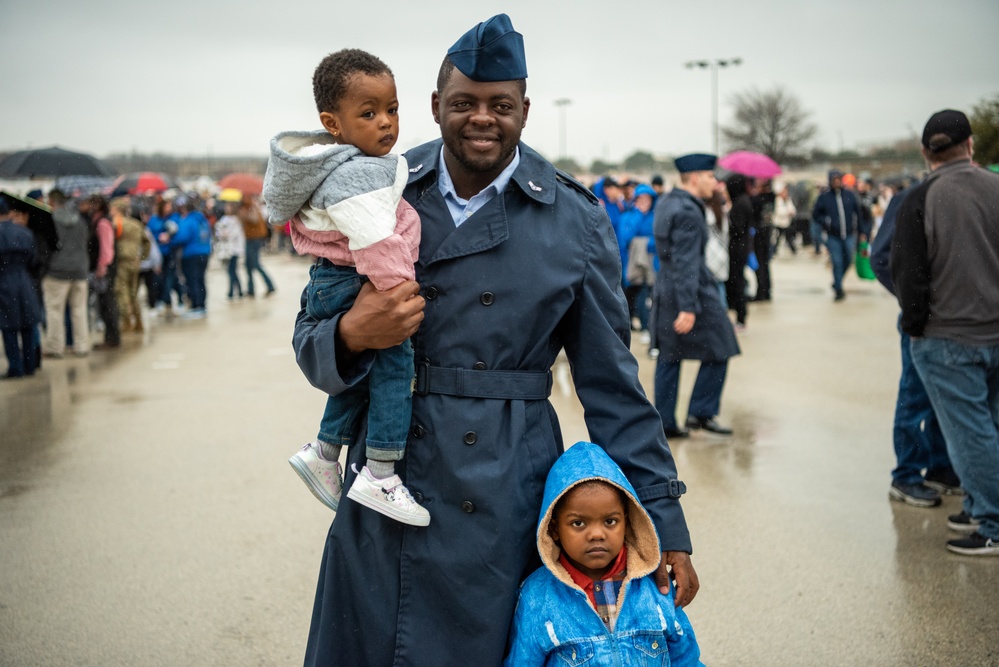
(331, 79)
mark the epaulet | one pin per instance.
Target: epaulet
(563, 177)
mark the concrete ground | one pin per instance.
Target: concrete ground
(148, 515)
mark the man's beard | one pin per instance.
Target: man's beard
(482, 165)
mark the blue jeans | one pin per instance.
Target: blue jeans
(387, 392)
(816, 231)
(963, 383)
(253, 264)
(171, 279)
(841, 253)
(919, 444)
(235, 289)
(194, 275)
(705, 399)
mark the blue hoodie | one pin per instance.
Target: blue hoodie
(634, 223)
(555, 624)
(194, 234)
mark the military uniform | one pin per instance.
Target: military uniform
(534, 271)
(131, 246)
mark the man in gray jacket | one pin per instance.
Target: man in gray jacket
(945, 264)
(66, 280)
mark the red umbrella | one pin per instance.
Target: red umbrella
(749, 163)
(141, 182)
(248, 184)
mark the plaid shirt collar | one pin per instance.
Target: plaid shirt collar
(602, 593)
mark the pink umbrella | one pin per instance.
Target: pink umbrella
(749, 163)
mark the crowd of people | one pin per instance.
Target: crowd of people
(944, 435)
(514, 263)
(71, 284)
(750, 220)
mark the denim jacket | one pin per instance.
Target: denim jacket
(555, 623)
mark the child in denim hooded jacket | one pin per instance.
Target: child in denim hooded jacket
(594, 602)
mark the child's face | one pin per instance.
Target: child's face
(368, 117)
(590, 527)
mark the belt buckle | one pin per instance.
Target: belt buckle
(422, 385)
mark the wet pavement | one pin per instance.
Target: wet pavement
(148, 515)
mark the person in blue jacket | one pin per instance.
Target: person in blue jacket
(20, 303)
(593, 600)
(837, 210)
(163, 227)
(919, 442)
(194, 236)
(638, 249)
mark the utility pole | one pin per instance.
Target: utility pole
(713, 66)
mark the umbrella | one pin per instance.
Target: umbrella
(39, 218)
(141, 182)
(231, 194)
(749, 163)
(81, 186)
(52, 162)
(248, 184)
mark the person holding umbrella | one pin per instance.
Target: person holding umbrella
(20, 305)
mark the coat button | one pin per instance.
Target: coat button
(468, 507)
(479, 366)
(486, 298)
(431, 293)
(418, 431)
(418, 497)
(470, 438)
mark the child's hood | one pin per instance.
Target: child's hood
(291, 178)
(583, 462)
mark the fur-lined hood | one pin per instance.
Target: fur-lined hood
(583, 462)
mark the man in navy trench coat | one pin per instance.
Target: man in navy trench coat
(689, 320)
(535, 269)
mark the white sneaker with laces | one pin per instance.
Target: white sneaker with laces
(324, 478)
(387, 496)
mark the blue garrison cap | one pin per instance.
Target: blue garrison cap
(491, 51)
(695, 162)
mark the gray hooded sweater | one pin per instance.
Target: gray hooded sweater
(70, 261)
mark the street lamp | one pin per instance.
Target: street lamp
(713, 65)
(562, 104)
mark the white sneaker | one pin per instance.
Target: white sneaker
(324, 478)
(389, 497)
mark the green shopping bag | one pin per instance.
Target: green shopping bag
(863, 261)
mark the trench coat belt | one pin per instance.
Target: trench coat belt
(470, 383)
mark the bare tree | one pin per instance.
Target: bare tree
(772, 122)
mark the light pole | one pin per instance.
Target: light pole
(562, 103)
(713, 65)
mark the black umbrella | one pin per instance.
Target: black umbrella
(39, 219)
(52, 162)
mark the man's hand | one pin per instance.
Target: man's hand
(379, 320)
(684, 322)
(676, 565)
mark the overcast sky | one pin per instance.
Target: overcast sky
(216, 77)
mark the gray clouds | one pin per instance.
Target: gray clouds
(215, 77)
